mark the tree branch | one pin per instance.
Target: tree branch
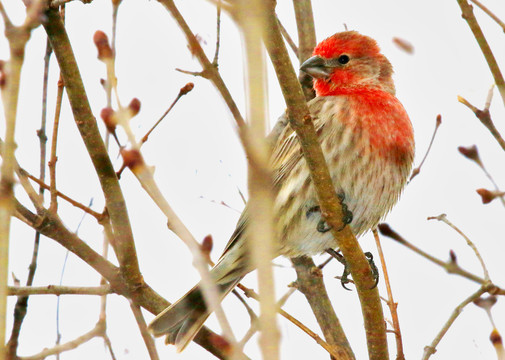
(123, 244)
(301, 122)
(467, 14)
(311, 285)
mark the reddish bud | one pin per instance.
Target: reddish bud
(496, 339)
(15, 280)
(207, 244)
(487, 195)
(186, 88)
(2, 74)
(102, 45)
(453, 257)
(404, 45)
(107, 115)
(471, 153)
(116, 2)
(131, 158)
(134, 106)
(439, 120)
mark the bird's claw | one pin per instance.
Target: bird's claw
(346, 213)
(344, 279)
(322, 225)
(373, 267)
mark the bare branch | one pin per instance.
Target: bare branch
(97, 331)
(467, 14)
(85, 121)
(59, 290)
(444, 219)
(490, 13)
(431, 349)
(451, 267)
(261, 231)
(148, 339)
(417, 170)
(310, 283)
(390, 301)
(301, 122)
(208, 68)
(485, 118)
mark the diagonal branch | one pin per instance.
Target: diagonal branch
(50, 225)
(209, 70)
(310, 283)
(85, 121)
(301, 121)
(467, 14)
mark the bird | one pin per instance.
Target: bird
(368, 143)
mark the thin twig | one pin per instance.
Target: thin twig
(287, 37)
(52, 162)
(51, 227)
(211, 71)
(332, 350)
(77, 204)
(59, 290)
(443, 218)
(124, 246)
(390, 301)
(148, 339)
(107, 238)
(490, 13)
(62, 273)
(218, 34)
(417, 170)
(467, 14)
(431, 349)
(472, 153)
(485, 118)
(97, 331)
(53, 158)
(21, 308)
(183, 91)
(17, 37)
(306, 41)
(450, 266)
(209, 289)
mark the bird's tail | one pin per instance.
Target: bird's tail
(183, 319)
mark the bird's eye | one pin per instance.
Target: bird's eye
(343, 59)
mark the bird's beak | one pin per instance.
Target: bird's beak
(316, 67)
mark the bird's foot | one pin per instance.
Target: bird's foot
(344, 279)
(373, 268)
(346, 213)
(322, 225)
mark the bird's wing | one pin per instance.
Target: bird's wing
(286, 154)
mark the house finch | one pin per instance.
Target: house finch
(368, 143)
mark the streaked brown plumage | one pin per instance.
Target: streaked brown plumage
(368, 143)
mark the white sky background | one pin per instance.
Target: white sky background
(199, 163)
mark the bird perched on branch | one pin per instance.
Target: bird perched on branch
(368, 143)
